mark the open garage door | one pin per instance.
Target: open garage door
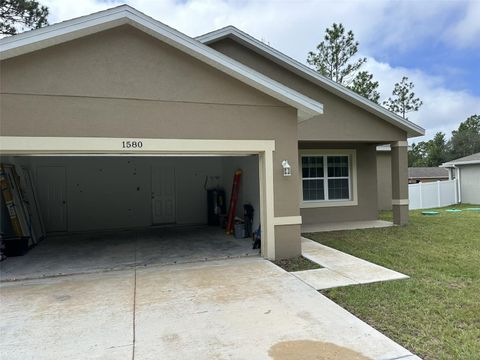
(104, 212)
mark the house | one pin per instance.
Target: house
(124, 122)
(467, 171)
(426, 174)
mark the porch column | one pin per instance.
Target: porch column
(400, 182)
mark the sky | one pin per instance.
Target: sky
(435, 43)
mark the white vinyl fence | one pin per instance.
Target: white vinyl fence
(432, 194)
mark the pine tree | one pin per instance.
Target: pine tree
(364, 85)
(21, 15)
(333, 57)
(404, 100)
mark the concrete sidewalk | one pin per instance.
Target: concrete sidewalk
(340, 269)
(345, 225)
(244, 308)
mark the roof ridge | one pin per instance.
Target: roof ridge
(243, 36)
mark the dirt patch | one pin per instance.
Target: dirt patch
(312, 350)
(297, 264)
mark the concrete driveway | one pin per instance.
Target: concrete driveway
(244, 308)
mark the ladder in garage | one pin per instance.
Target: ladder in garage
(232, 209)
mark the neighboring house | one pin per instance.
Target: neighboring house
(467, 171)
(426, 174)
(125, 121)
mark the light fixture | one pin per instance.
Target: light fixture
(287, 169)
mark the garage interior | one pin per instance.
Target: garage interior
(109, 212)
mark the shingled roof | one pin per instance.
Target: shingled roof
(427, 173)
(466, 160)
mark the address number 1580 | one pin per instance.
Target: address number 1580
(132, 144)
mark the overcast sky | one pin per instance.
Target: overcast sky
(436, 43)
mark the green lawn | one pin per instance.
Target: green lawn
(435, 313)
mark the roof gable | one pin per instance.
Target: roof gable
(124, 14)
(309, 74)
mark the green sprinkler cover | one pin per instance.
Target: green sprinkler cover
(430, 212)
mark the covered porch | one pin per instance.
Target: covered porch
(339, 185)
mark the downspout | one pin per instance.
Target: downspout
(459, 189)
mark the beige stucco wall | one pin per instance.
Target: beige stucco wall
(384, 180)
(123, 83)
(343, 125)
(284, 246)
(470, 184)
(341, 121)
(366, 188)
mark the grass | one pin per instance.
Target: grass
(435, 313)
(296, 264)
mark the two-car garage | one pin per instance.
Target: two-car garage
(78, 95)
(102, 209)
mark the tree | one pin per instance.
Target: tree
(333, 57)
(21, 14)
(418, 155)
(364, 85)
(404, 100)
(437, 151)
(433, 152)
(466, 140)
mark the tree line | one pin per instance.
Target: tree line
(463, 142)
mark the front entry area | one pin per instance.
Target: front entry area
(100, 213)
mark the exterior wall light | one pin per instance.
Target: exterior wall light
(287, 169)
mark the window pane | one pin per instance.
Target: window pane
(313, 190)
(338, 189)
(312, 166)
(337, 166)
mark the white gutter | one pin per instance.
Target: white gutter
(468, 162)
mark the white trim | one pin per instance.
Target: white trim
(353, 201)
(455, 163)
(400, 202)
(312, 75)
(268, 227)
(19, 145)
(387, 148)
(399, 144)
(66, 31)
(287, 220)
(93, 145)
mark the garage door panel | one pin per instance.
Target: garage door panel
(163, 195)
(52, 195)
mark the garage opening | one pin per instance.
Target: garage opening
(91, 213)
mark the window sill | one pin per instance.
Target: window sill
(320, 204)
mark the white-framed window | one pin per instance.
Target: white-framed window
(328, 178)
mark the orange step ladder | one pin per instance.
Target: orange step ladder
(232, 209)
